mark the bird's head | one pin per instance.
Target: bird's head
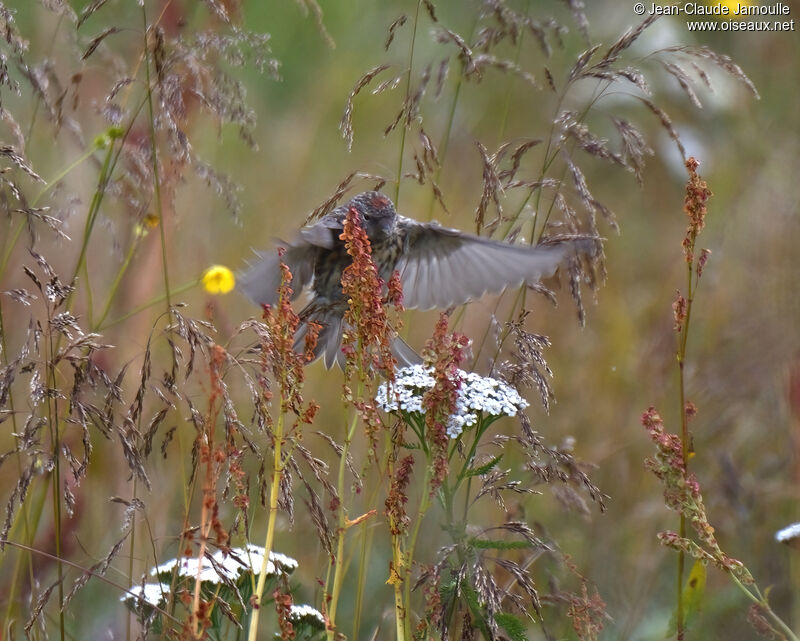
(377, 213)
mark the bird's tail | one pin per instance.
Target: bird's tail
(404, 353)
(329, 340)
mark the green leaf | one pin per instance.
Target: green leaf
(483, 469)
(476, 609)
(693, 595)
(513, 626)
(694, 591)
(491, 544)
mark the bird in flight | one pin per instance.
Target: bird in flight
(438, 267)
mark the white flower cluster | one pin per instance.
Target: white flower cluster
(239, 560)
(227, 566)
(788, 534)
(151, 593)
(476, 394)
(308, 614)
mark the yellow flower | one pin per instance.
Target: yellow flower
(218, 279)
(151, 220)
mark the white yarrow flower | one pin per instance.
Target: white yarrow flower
(228, 566)
(789, 533)
(151, 593)
(476, 395)
(312, 615)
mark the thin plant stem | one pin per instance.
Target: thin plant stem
(759, 600)
(365, 549)
(55, 474)
(407, 95)
(115, 285)
(156, 180)
(398, 573)
(794, 580)
(129, 619)
(445, 142)
(64, 172)
(9, 247)
(94, 575)
(338, 560)
(548, 159)
(107, 167)
(88, 288)
(277, 472)
(154, 301)
(683, 337)
(399, 579)
(30, 530)
(189, 491)
(94, 207)
(424, 504)
(23, 513)
(507, 105)
(367, 536)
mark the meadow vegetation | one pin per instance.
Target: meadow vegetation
(170, 467)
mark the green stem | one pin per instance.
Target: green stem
(338, 560)
(94, 207)
(115, 286)
(511, 79)
(129, 619)
(483, 425)
(95, 575)
(37, 101)
(399, 580)
(9, 248)
(63, 173)
(445, 142)
(22, 514)
(30, 529)
(55, 474)
(88, 289)
(154, 301)
(398, 576)
(407, 94)
(681, 356)
(763, 604)
(367, 536)
(366, 546)
(156, 180)
(549, 158)
(274, 491)
(446, 496)
(11, 245)
(424, 504)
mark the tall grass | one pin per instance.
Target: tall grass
(142, 428)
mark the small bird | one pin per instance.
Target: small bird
(438, 267)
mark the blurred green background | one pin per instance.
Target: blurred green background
(745, 337)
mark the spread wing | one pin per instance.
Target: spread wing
(260, 281)
(325, 233)
(444, 267)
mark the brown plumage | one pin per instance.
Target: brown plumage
(438, 267)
